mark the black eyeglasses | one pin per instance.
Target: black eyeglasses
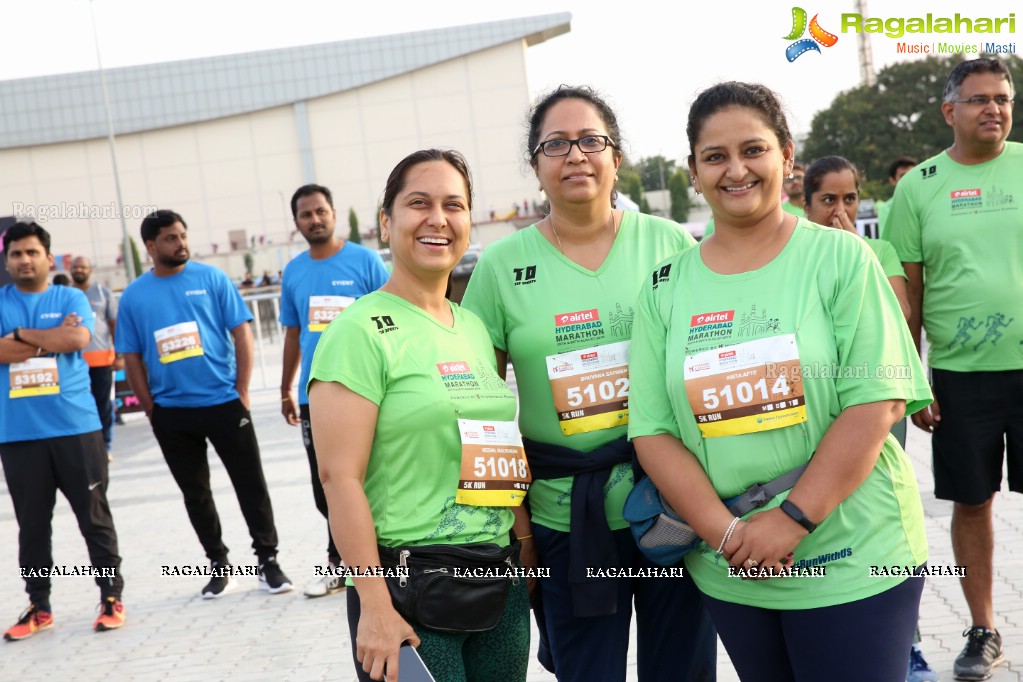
(591, 144)
(984, 100)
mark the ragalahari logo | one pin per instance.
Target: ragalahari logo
(818, 35)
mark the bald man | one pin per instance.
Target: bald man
(99, 355)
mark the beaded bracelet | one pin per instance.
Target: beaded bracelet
(727, 535)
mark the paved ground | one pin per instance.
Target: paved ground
(172, 634)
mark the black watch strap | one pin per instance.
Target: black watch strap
(17, 333)
(797, 515)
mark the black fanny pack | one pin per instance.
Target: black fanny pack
(452, 588)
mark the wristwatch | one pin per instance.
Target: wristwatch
(17, 333)
(797, 515)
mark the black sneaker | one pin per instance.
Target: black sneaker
(272, 578)
(221, 583)
(983, 651)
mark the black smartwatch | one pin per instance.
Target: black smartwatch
(797, 515)
(17, 333)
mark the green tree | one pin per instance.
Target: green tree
(899, 116)
(649, 170)
(630, 184)
(250, 262)
(135, 256)
(353, 225)
(678, 190)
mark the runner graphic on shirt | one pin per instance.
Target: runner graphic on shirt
(993, 323)
(966, 325)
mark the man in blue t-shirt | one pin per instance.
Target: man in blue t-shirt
(184, 331)
(318, 284)
(99, 355)
(49, 430)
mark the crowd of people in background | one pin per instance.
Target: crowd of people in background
(705, 373)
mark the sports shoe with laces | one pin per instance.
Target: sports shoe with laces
(919, 671)
(111, 615)
(329, 583)
(31, 621)
(983, 651)
(272, 578)
(221, 583)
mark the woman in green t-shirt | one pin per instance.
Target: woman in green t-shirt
(777, 344)
(832, 185)
(402, 384)
(558, 299)
(833, 199)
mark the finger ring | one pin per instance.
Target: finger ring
(752, 563)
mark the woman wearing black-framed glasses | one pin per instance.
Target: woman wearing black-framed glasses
(557, 299)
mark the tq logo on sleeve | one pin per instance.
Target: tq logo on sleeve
(525, 275)
(384, 324)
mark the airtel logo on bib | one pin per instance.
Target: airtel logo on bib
(711, 318)
(575, 318)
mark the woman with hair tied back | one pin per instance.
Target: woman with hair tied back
(558, 300)
(403, 382)
(794, 387)
(833, 199)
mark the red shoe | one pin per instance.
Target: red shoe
(111, 615)
(30, 622)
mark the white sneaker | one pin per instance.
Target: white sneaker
(322, 585)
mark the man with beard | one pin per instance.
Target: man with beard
(176, 327)
(317, 286)
(49, 434)
(99, 355)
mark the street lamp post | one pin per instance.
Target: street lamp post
(129, 262)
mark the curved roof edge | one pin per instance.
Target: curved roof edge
(69, 107)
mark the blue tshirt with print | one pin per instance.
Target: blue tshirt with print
(181, 326)
(47, 396)
(314, 291)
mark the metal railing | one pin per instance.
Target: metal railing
(265, 304)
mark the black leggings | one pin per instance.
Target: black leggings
(862, 640)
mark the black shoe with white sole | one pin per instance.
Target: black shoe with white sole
(272, 578)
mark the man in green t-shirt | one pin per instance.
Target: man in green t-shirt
(793, 186)
(896, 170)
(957, 224)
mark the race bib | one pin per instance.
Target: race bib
(36, 376)
(178, 342)
(591, 387)
(323, 309)
(494, 468)
(745, 388)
